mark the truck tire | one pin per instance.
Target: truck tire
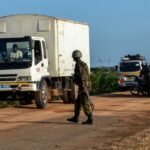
(134, 91)
(41, 97)
(74, 92)
(65, 96)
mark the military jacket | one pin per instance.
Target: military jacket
(81, 76)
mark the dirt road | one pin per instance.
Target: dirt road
(121, 121)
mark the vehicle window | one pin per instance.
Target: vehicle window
(38, 52)
(130, 66)
(15, 53)
(44, 49)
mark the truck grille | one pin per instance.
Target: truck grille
(8, 77)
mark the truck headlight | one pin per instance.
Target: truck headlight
(24, 78)
(122, 79)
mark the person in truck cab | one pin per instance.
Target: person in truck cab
(16, 53)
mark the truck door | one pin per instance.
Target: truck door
(40, 59)
(45, 59)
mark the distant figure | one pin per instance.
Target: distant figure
(16, 53)
(145, 75)
(82, 79)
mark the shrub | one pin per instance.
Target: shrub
(103, 81)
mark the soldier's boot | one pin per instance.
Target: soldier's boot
(89, 120)
(74, 119)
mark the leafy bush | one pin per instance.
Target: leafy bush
(103, 81)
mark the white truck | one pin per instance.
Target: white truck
(46, 67)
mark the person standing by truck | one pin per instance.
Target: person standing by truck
(82, 79)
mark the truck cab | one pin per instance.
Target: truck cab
(26, 73)
(32, 65)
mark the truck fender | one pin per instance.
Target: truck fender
(47, 79)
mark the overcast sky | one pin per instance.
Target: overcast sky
(117, 27)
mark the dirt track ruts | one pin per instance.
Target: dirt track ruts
(121, 121)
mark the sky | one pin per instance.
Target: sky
(117, 27)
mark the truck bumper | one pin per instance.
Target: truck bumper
(127, 84)
(126, 81)
(17, 87)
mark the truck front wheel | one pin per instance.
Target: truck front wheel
(41, 97)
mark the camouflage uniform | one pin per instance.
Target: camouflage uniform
(82, 79)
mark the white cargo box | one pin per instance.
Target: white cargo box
(62, 38)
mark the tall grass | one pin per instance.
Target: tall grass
(104, 81)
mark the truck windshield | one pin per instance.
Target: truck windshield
(15, 53)
(129, 66)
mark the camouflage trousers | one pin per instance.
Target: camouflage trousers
(84, 102)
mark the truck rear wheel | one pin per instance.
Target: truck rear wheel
(66, 97)
(41, 97)
(74, 92)
(69, 96)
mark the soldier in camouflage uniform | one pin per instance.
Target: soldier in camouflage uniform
(82, 79)
(145, 76)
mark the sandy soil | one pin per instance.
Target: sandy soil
(121, 122)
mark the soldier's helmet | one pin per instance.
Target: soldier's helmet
(76, 54)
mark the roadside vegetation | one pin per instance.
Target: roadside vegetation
(6, 103)
(103, 81)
